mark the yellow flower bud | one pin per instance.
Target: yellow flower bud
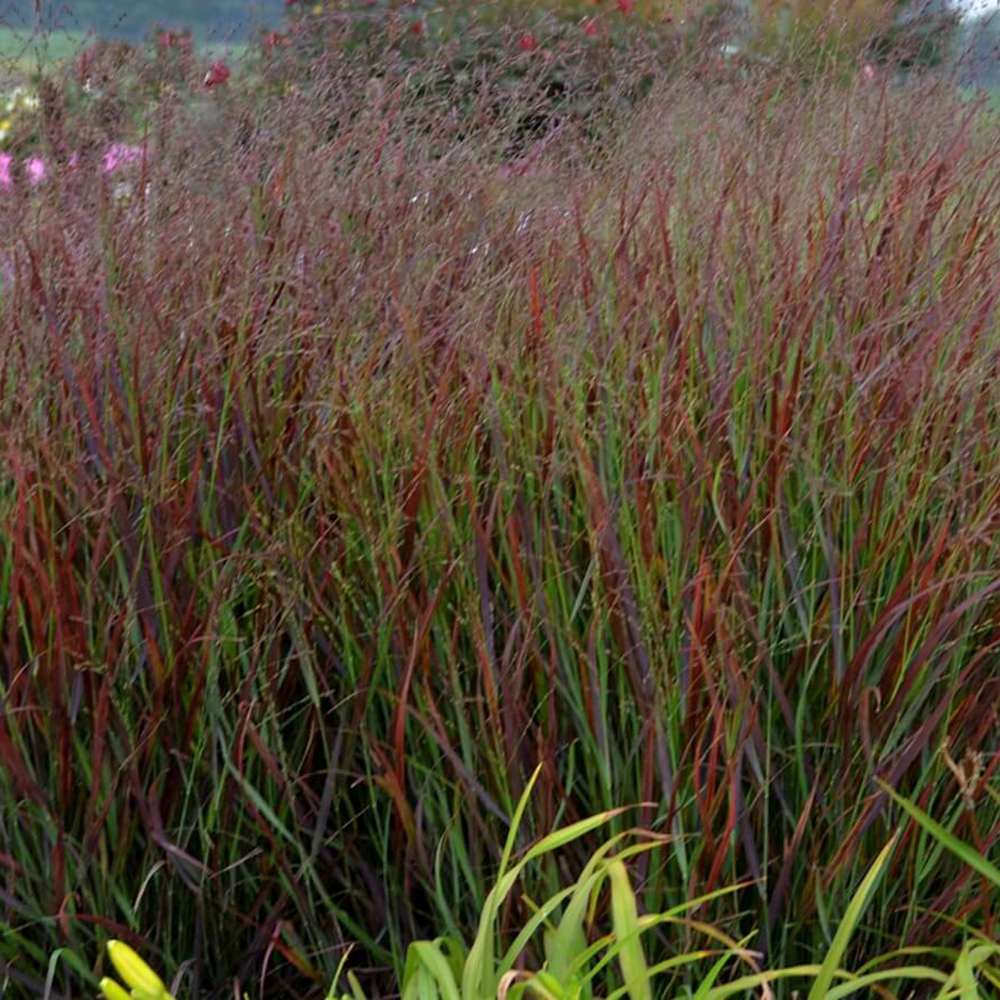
(134, 970)
(112, 991)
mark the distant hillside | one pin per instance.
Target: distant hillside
(133, 18)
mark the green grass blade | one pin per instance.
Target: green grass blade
(706, 984)
(479, 976)
(625, 920)
(745, 984)
(968, 854)
(850, 920)
(569, 940)
(527, 932)
(438, 967)
(356, 992)
(515, 823)
(965, 977)
(566, 835)
(918, 972)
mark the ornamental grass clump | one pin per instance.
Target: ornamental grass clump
(363, 457)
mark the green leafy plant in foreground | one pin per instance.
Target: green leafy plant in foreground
(444, 969)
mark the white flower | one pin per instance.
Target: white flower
(22, 98)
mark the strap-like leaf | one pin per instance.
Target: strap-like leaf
(968, 854)
(850, 920)
(625, 920)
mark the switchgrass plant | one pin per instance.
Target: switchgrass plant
(354, 463)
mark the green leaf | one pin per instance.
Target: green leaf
(332, 994)
(479, 976)
(968, 854)
(569, 941)
(962, 983)
(356, 992)
(965, 977)
(559, 838)
(524, 936)
(918, 972)
(435, 962)
(694, 904)
(549, 987)
(515, 823)
(688, 958)
(420, 985)
(855, 908)
(747, 983)
(70, 958)
(713, 974)
(625, 921)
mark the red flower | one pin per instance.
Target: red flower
(218, 73)
(417, 28)
(626, 6)
(590, 27)
(527, 42)
(272, 40)
(291, 3)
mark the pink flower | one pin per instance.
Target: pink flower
(527, 42)
(6, 162)
(590, 28)
(35, 168)
(218, 73)
(626, 6)
(120, 154)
